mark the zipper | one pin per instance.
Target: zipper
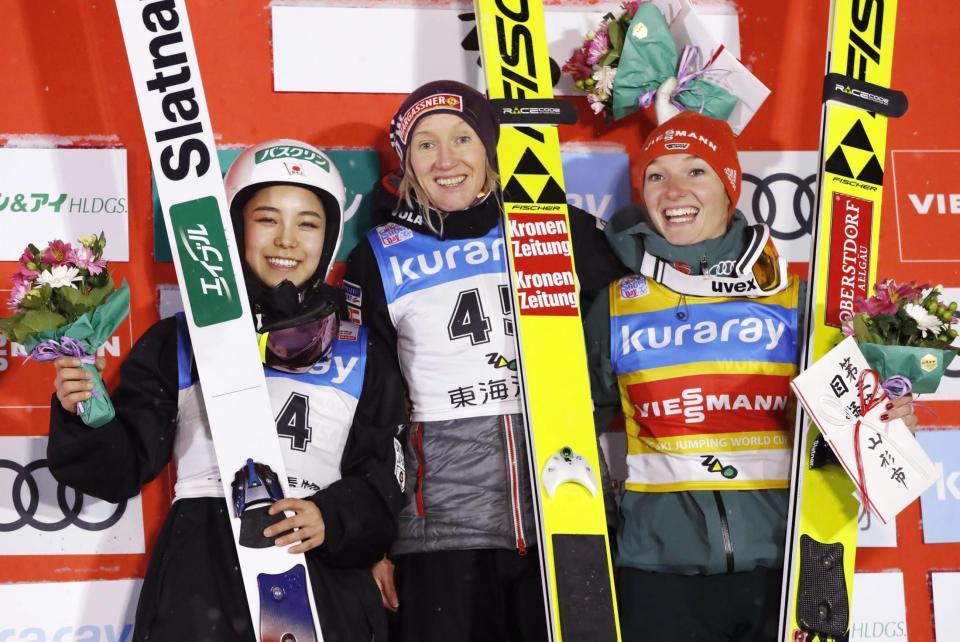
(416, 438)
(514, 472)
(681, 311)
(725, 531)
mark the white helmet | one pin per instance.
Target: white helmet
(285, 161)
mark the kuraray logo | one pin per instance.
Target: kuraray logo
(82, 633)
(341, 368)
(452, 102)
(736, 331)
(391, 234)
(340, 372)
(693, 405)
(415, 268)
(634, 287)
(765, 333)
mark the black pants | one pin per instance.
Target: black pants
(740, 607)
(193, 590)
(469, 596)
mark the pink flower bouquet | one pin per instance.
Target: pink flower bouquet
(64, 304)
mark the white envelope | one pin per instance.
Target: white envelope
(896, 470)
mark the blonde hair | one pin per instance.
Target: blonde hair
(411, 190)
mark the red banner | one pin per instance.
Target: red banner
(849, 256)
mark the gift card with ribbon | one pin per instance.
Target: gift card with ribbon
(712, 28)
(846, 399)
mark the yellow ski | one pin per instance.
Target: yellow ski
(564, 459)
(822, 528)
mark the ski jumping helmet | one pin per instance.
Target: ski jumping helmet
(296, 327)
(289, 162)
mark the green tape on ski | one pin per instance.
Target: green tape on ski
(205, 260)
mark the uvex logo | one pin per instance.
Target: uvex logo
(735, 287)
(859, 50)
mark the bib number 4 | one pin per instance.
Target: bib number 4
(468, 319)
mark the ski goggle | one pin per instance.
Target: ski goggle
(768, 269)
(299, 343)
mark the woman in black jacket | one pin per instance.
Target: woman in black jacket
(336, 435)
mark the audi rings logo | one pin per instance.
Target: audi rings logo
(788, 217)
(25, 496)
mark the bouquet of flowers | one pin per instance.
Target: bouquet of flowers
(65, 304)
(904, 330)
(622, 64)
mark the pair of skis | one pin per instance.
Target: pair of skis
(822, 528)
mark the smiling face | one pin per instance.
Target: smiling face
(449, 161)
(283, 229)
(685, 198)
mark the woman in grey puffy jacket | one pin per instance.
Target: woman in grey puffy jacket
(431, 283)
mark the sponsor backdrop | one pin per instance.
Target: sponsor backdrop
(941, 502)
(879, 612)
(39, 516)
(97, 611)
(73, 160)
(946, 588)
(56, 193)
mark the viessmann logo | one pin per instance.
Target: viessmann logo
(693, 405)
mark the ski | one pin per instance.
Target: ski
(564, 461)
(166, 76)
(822, 524)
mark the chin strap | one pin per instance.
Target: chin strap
(758, 272)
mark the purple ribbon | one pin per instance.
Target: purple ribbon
(52, 349)
(689, 68)
(897, 386)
